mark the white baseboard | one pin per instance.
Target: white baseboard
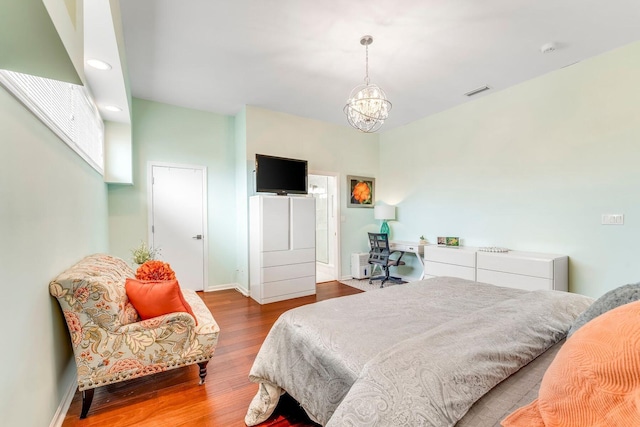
(226, 286)
(70, 379)
(243, 291)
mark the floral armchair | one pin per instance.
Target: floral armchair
(111, 343)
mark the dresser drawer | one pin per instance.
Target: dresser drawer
(511, 280)
(282, 289)
(405, 247)
(457, 256)
(294, 256)
(442, 269)
(292, 271)
(512, 263)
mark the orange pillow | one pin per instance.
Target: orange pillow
(594, 380)
(152, 298)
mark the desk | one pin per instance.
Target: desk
(410, 247)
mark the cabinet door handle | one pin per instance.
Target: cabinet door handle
(197, 237)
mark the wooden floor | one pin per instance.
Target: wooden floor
(174, 398)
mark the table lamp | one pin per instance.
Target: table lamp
(385, 213)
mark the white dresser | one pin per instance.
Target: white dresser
(282, 250)
(522, 270)
(457, 261)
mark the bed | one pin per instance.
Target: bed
(425, 353)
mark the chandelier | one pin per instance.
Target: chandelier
(367, 107)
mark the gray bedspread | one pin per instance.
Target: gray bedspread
(419, 354)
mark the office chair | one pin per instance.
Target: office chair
(379, 254)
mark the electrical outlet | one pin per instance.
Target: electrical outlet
(612, 219)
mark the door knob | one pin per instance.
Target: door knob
(197, 237)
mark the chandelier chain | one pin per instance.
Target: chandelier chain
(366, 71)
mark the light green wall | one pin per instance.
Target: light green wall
(68, 18)
(165, 133)
(328, 148)
(531, 168)
(53, 211)
(118, 167)
(29, 42)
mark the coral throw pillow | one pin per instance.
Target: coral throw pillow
(152, 298)
(594, 380)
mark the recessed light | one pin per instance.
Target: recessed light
(112, 108)
(98, 64)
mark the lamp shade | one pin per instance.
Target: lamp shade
(384, 212)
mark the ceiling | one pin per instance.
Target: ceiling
(303, 57)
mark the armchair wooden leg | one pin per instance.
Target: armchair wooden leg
(203, 371)
(87, 398)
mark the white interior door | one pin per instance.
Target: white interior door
(178, 221)
(323, 187)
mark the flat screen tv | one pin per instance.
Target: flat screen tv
(280, 175)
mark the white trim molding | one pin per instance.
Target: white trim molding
(226, 286)
(70, 378)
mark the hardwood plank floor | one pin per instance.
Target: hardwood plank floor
(174, 398)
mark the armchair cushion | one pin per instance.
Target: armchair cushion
(152, 298)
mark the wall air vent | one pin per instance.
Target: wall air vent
(477, 90)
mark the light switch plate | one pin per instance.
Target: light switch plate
(612, 219)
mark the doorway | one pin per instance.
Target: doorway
(323, 187)
(177, 220)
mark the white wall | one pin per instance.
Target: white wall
(242, 201)
(531, 168)
(53, 211)
(327, 148)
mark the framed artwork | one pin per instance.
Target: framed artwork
(361, 192)
(442, 241)
(453, 241)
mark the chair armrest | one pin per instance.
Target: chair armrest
(393, 252)
(160, 322)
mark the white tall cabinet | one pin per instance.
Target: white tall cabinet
(282, 247)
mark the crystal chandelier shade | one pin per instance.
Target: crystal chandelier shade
(367, 107)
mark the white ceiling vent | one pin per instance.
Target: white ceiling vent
(477, 90)
(548, 47)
